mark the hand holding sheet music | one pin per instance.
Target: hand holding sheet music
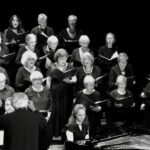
(126, 102)
(114, 56)
(101, 77)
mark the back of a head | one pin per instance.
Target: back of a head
(20, 100)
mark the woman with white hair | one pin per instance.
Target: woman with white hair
(23, 75)
(40, 97)
(39, 94)
(122, 68)
(69, 36)
(30, 46)
(88, 96)
(87, 68)
(50, 49)
(122, 110)
(5, 92)
(107, 51)
(42, 31)
(77, 53)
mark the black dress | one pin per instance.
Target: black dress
(121, 113)
(115, 72)
(80, 74)
(107, 52)
(62, 99)
(68, 42)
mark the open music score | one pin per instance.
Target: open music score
(8, 57)
(126, 101)
(101, 77)
(114, 56)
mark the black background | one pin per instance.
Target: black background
(128, 21)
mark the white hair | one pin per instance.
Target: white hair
(2, 77)
(42, 17)
(26, 55)
(36, 75)
(84, 38)
(122, 56)
(20, 100)
(88, 79)
(30, 36)
(52, 38)
(121, 79)
(72, 17)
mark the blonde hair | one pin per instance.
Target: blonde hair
(42, 16)
(87, 55)
(84, 38)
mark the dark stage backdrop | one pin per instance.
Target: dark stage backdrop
(125, 19)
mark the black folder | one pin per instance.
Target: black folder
(8, 57)
(126, 101)
(20, 38)
(101, 77)
(61, 75)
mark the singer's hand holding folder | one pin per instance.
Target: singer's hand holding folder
(126, 101)
(114, 56)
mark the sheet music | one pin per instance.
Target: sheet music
(115, 55)
(1, 137)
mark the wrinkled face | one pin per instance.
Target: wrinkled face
(8, 107)
(122, 85)
(30, 62)
(72, 25)
(15, 22)
(2, 85)
(80, 116)
(87, 61)
(122, 64)
(89, 86)
(43, 23)
(84, 45)
(110, 39)
(53, 45)
(37, 82)
(62, 60)
(31, 43)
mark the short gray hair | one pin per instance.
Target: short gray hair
(84, 38)
(36, 75)
(42, 16)
(123, 56)
(72, 17)
(121, 79)
(20, 100)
